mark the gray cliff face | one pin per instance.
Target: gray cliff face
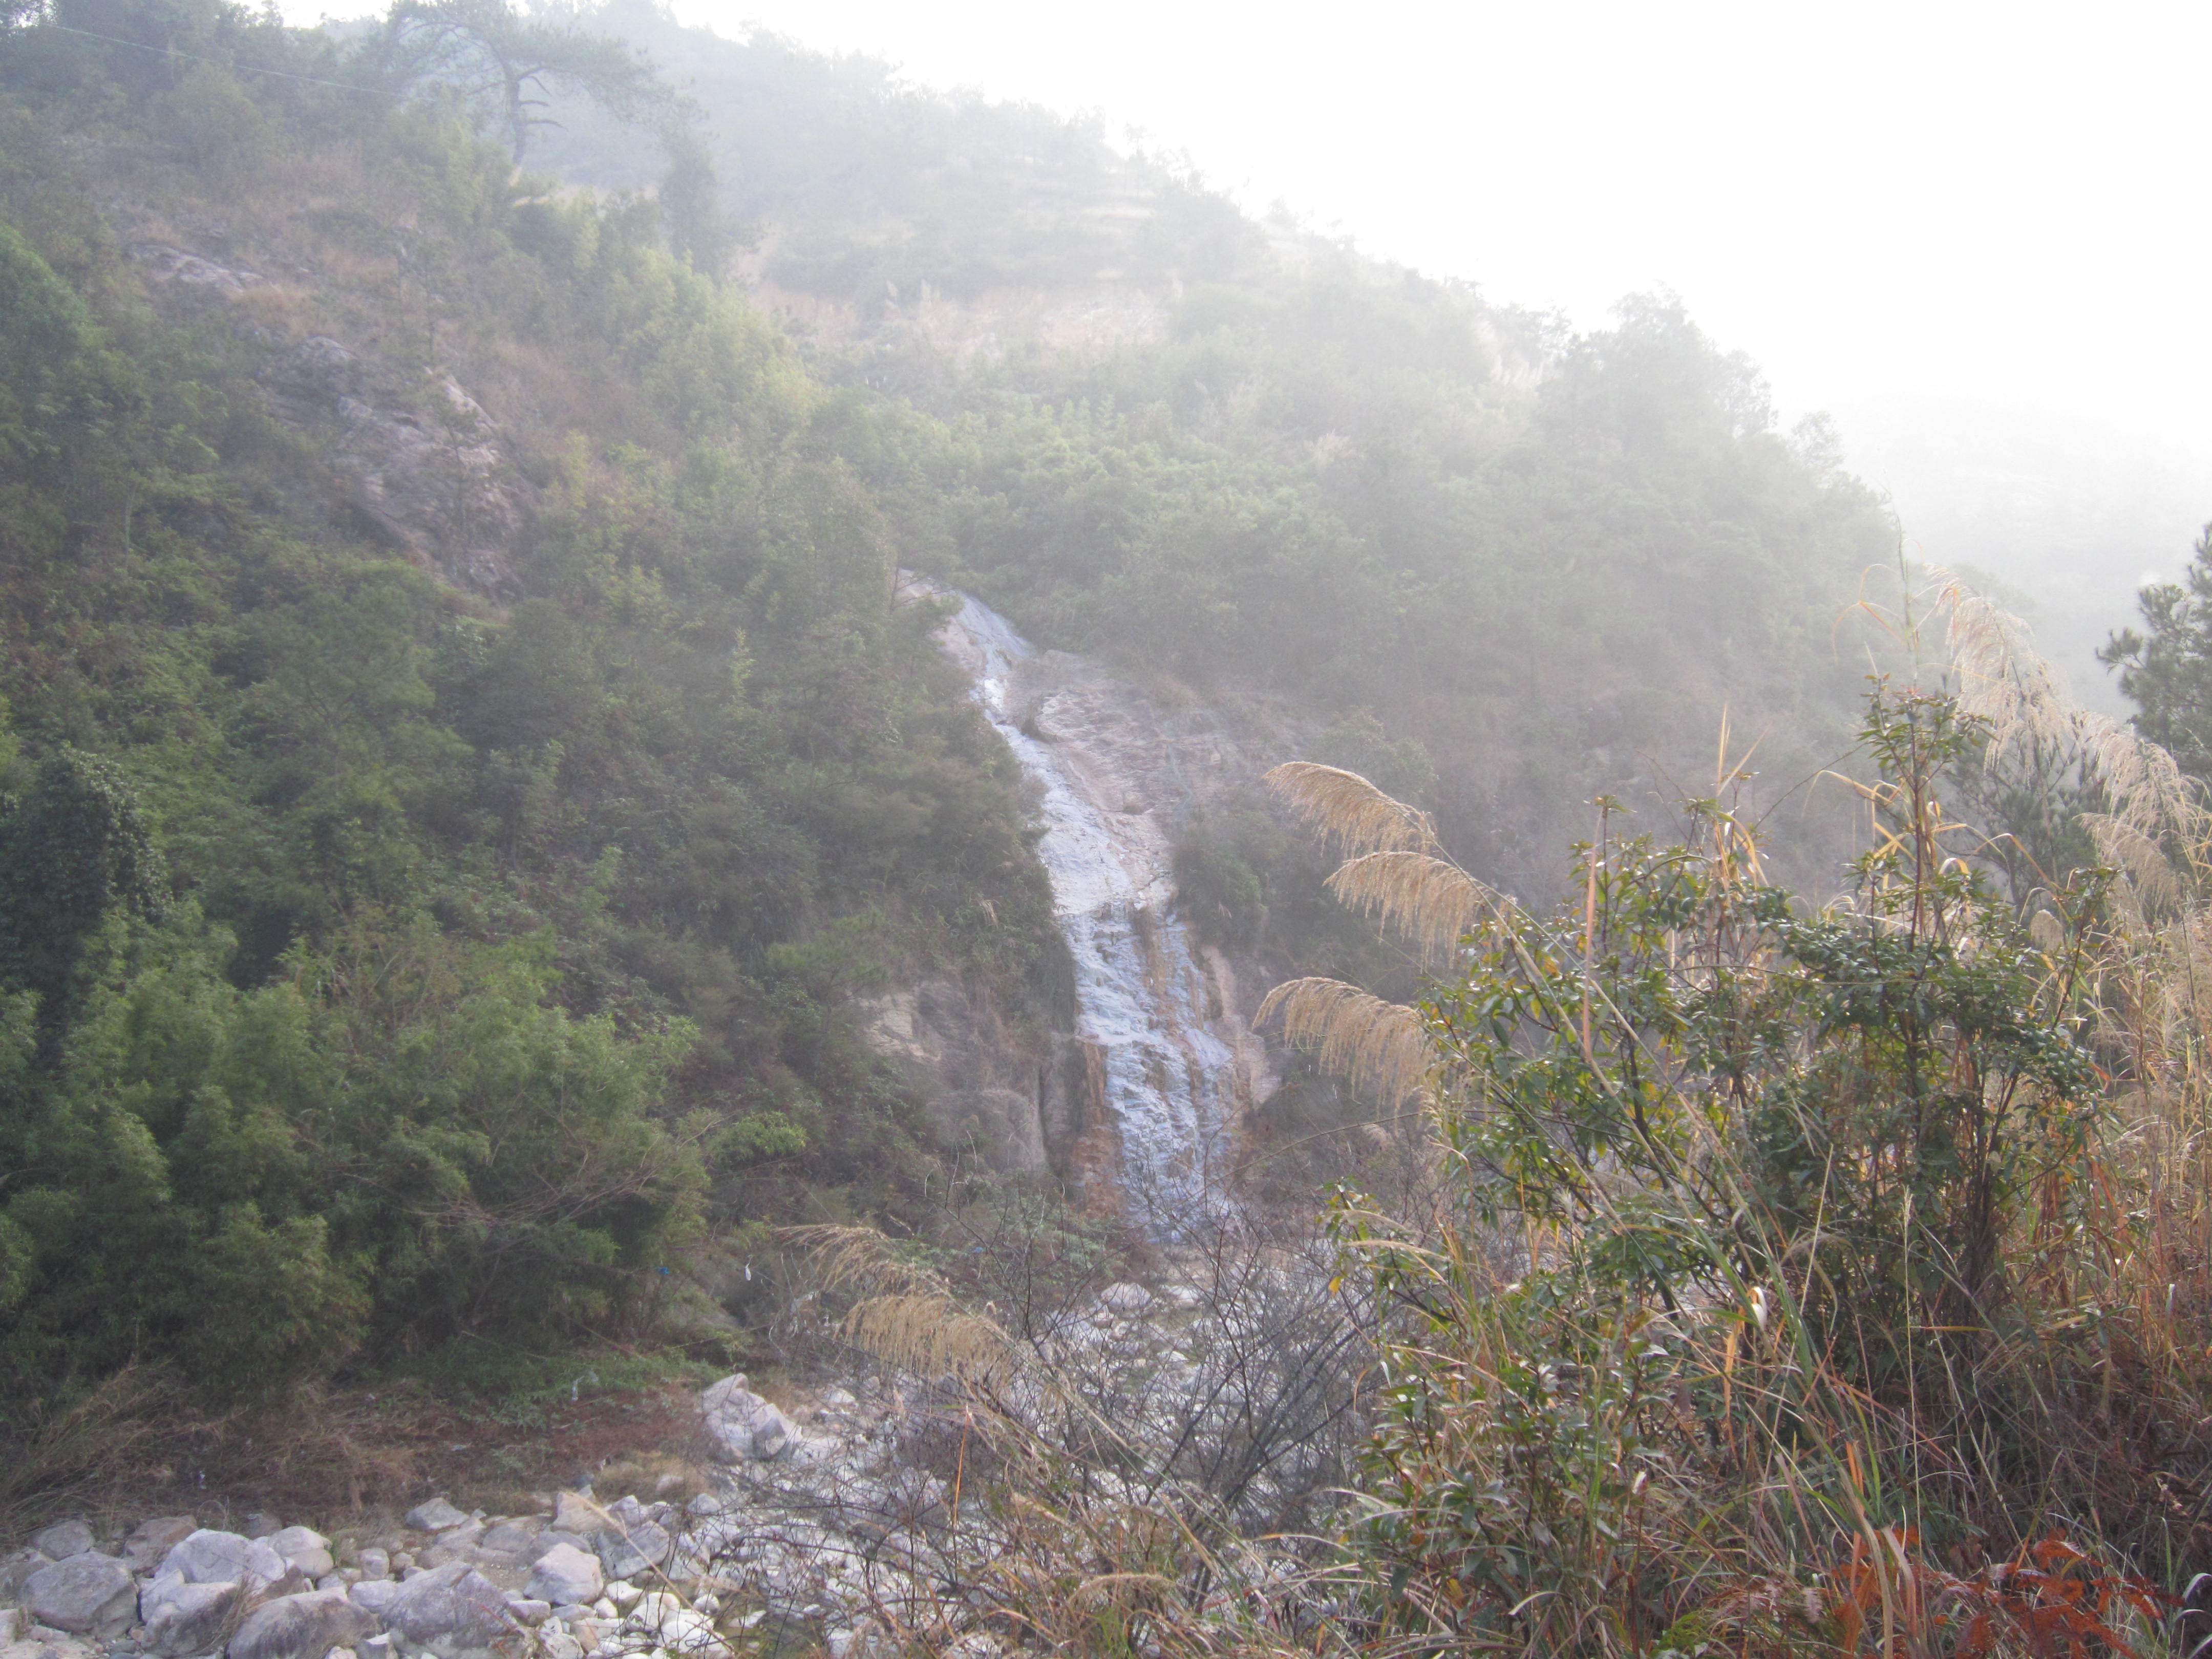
(1144, 1098)
(419, 467)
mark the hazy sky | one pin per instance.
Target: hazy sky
(1997, 201)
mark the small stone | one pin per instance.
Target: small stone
(262, 1524)
(374, 1563)
(401, 1560)
(632, 1549)
(573, 1512)
(566, 1576)
(552, 1538)
(85, 1594)
(340, 1653)
(11, 1625)
(208, 1556)
(336, 1581)
(453, 1611)
(530, 1609)
(304, 1548)
(561, 1645)
(300, 1626)
(181, 1617)
(149, 1540)
(436, 1515)
(512, 1538)
(63, 1540)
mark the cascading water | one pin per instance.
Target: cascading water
(1166, 1077)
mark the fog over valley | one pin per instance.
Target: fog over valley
(867, 832)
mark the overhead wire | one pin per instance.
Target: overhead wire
(196, 57)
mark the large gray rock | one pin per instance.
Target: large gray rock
(435, 1516)
(627, 1552)
(86, 1594)
(208, 1556)
(63, 1540)
(376, 1595)
(304, 1548)
(300, 1626)
(513, 1538)
(149, 1540)
(744, 1427)
(554, 1537)
(453, 1611)
(182, 1618)
(565, 1574)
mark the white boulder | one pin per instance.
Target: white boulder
(85, 1594)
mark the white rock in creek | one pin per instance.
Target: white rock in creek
(625, 1554)
(565, 1574)
(513, 1538)
(304, 1548)
(84, 1594)
(744, 1427)
(300, 1627)
(208, 1556)
(675, 1627)
(181, 1617)
(436, 1515)
(552, 1538)
(63, 1540)
(149, 1540)
(453, 1611)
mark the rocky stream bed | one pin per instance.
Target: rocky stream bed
(808, 1521)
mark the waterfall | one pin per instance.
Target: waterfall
(1165, 1077)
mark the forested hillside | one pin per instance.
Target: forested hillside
(464, 753)
(429, 891)
(1222, 449)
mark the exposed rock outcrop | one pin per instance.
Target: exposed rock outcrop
(419, 467)
(1148, 1093)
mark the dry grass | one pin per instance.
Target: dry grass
(1430, 900)
(1382, 1049)
(1352, 814)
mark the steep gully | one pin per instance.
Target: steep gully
(1170, 1064)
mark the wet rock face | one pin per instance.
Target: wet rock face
(1170, 1066)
